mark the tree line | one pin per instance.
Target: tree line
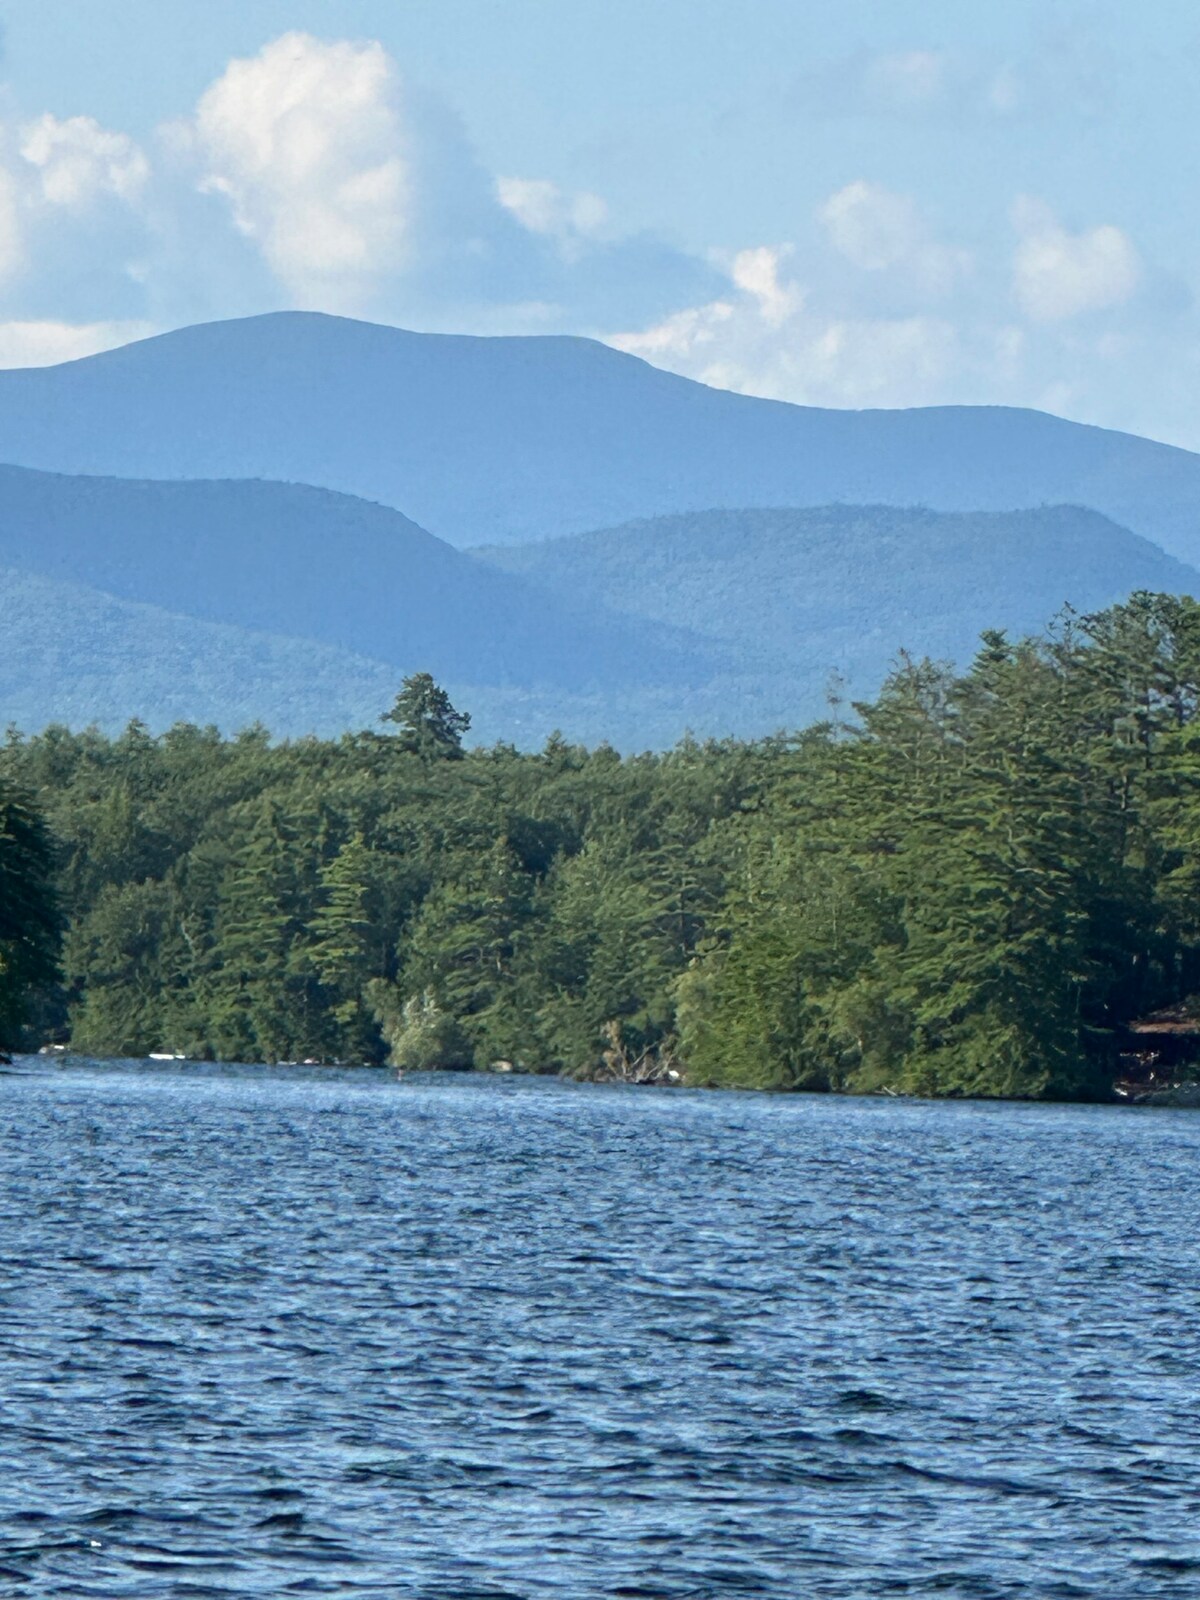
(970, 885)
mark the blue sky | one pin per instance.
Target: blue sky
(862, 204)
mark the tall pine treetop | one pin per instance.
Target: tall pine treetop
(429, 725)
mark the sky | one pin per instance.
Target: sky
(874, 203)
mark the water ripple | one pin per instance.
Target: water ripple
(316, 1333)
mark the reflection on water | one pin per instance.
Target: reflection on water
(325, 1333)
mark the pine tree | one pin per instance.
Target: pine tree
(429, 725)
(261, 992)
(461, 948)
(342, 946)
(29, 925)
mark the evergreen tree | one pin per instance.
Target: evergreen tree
(429, 725)
(29, 925)
(261, 991)
(342, 947)
(971, 888)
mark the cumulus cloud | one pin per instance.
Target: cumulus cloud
(766, 338)
(880, 231)
(823, 339)
(788, 327)
(1058, 275)
(306, 141)
(77, 162)
(71, 218)
(757, 274)
(362, 194)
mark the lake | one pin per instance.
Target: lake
(309, 1332)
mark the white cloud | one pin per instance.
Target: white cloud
(44, 344)
(542, 207)
(871, 226)
(756, 273)
(306, 140)
(1057, 274)
(880, 231)
(309, 174)
(77, 161)
(71, 214)
(799, 327)
(766, 339)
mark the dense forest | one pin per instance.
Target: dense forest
(970, 885)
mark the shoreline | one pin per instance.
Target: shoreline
(1180, 1097)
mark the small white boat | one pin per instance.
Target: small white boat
(167, 1055)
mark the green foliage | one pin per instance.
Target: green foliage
(971, 889)
(28, 912)
(429, 725)
(968, 895)
(420, 1035)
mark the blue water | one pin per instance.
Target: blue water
(322, 1333)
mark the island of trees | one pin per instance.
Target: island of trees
(972, 885)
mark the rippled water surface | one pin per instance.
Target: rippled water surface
(329, 1334)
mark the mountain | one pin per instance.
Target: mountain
(778, 601)
(801, 594)
(285, 559)
(76, 655)
(487, 440)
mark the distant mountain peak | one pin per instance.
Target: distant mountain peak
(500, 439)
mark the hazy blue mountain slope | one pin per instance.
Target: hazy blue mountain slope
(75, 655)
(841, 588)
(508, 438)
(287, 559)
(790, 596)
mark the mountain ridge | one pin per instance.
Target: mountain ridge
(841, 589)
(482, 439)
(299, 561)
(773, 603)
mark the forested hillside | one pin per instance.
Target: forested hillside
(805, 594)
(487, 440)
(78, 656)
(297, 562)
(235, 599)
(970, 888)
(239, 602)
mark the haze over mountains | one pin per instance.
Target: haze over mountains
(288, 559)
(499, 440)
(733, 586)
(840, 588)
